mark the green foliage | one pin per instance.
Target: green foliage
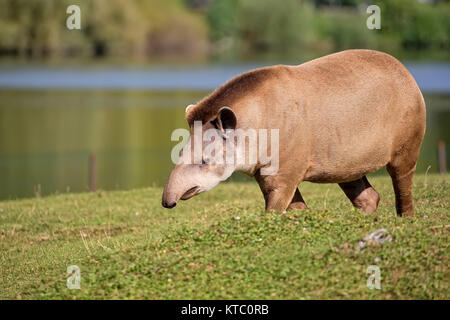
(337, 27)
(240, 29)
(221, 245)
(267, 26)
(30, 26)
(108, 28)
(415, 25)
(222, 19)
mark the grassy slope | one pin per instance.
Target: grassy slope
(136, 249)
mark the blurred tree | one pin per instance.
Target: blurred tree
(269, 26)
(415, 25)
(174, 31)
(222, 19)
(29, 27)
(114, 27)
(37, 28)
(340, 29)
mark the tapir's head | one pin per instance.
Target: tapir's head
(200, 169)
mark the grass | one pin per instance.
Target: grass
(221, 245)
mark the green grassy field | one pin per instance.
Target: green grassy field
(222, 245)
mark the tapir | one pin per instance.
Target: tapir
(339, 118)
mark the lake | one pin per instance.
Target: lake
(51, 120)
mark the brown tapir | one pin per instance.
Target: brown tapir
(339, 117)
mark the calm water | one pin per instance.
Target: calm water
(47, 134)
(430, 77)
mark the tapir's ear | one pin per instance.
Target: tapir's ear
(226, 119)
(187, 111)
(188, 107)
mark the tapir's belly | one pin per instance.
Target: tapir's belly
(336, 167)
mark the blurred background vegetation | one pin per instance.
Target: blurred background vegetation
(117, 88)
(221, 30)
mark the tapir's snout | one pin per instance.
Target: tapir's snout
(179, 186)
(168, 205)
(169, 198)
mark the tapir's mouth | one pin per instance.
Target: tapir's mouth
(190, 193)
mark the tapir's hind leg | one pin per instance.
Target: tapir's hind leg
(297, 202)
(401, 168)
(361, 194)
(402, 180)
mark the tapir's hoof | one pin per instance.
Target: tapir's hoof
(298, 206)
(367, 201)
(409, 213)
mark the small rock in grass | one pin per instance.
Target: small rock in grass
(377, 237)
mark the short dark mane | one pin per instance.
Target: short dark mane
(228, 94)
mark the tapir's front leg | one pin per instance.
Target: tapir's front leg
(297, 202)
(278, 191)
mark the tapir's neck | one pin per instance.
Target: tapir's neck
(242, 165)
